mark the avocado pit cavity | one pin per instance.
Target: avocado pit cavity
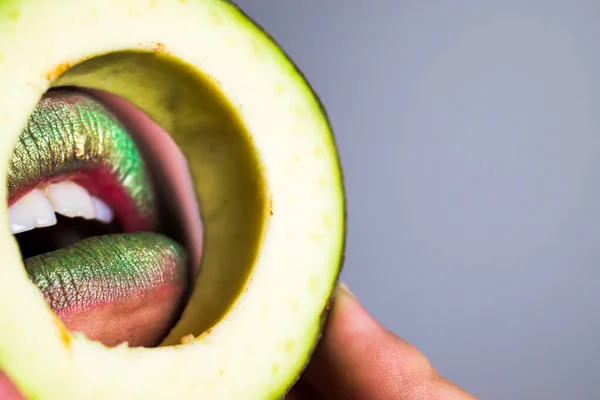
(84, 210)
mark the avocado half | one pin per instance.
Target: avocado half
(266, 175)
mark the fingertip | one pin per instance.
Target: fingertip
(344, 290)
(358, 357)
(343, 356)
(349, 316)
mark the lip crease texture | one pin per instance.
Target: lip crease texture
(123, 286)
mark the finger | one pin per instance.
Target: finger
(359, 359)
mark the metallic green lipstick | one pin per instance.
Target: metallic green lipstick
(109, 269)
(113, 287)
(101, 283)
(70, 135)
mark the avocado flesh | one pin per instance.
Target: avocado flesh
(266, 175)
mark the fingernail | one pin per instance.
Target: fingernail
(344, 288)
(350, 304)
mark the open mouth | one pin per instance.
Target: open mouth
(85, 209)
(220, 245)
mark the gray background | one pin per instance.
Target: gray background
(469, 136)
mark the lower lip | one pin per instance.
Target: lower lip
(115, 288)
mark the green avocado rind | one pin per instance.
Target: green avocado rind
(327, 306)
(289, 240)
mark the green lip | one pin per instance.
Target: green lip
(72, 135)
(106, 269)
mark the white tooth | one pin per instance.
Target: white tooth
(70, 199)
(31, 211)
(103, 212)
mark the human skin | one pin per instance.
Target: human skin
(359, 359)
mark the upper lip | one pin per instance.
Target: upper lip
(71, 137)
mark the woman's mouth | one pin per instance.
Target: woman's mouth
(83, 208)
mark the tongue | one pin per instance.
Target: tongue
(115, 288)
